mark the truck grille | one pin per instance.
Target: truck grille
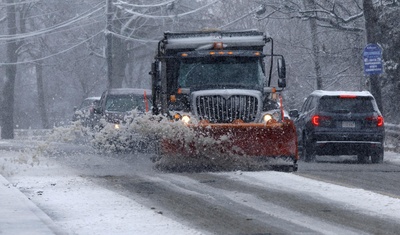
(219, 109)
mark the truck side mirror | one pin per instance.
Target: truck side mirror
(97, 110)
(294, 113)
(281, 72)
(282, 82)
(281, 68)
(154, 69)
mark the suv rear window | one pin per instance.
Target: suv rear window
(336, 104)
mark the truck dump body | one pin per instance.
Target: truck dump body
(216, 84)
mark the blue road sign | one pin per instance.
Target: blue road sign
(372, 56)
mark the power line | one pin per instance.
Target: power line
(170, 16)
(86, 14)
(58, 53)
(257, 11)
(55, 27)
(18, 3)
(68, 29)
(144, 40)
(122, 3)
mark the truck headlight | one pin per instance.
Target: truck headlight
(267, 117)
(274, 116)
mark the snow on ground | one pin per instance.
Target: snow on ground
(392, 157)
(82, 207)
(79, 205)
(353, 198)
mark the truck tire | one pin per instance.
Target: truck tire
(308, 152)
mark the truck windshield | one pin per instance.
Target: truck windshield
(216, 71)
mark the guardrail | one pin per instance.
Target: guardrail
(392, 137)
(392, 130)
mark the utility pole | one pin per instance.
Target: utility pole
(310, 4)
(373, 36)
(109, 49)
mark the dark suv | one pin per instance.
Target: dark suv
(340, 123)
(116, 104)
(85, 113)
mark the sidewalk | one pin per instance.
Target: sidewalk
(20, 216)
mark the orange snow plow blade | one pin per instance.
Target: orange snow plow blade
(244, 139)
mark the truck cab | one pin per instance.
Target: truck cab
(218, 77)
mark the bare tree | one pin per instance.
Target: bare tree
(136, 26)
(342, 16)
(59, 75)
(7, 131)
(325, 17)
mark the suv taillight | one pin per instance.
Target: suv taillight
(315, 120)
(318, 120)
(378, 120)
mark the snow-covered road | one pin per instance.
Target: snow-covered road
(75, 200)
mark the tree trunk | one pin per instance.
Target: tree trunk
(373, 36)
(117, 53)
(109, 38)
(390, 85)
(41, 100)
(119, 61)
(310, 4)
(7, 131)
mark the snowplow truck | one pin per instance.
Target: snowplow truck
(219, 85)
